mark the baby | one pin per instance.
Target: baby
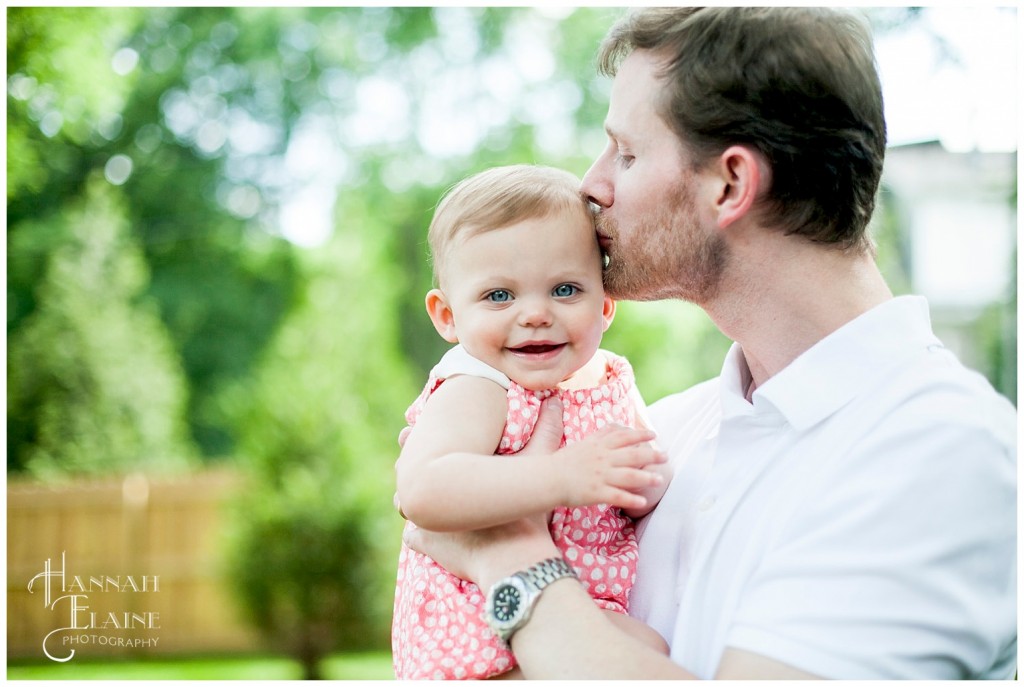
(518, 270)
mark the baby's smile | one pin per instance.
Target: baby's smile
(537, 349)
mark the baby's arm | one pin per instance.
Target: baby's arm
(448, 478)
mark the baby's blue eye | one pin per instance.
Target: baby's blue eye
(499, 296)
(564, 291)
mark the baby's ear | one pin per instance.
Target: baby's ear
(608, 313)
(441, 315)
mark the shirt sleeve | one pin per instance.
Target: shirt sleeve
(458, 361)
(901, 566)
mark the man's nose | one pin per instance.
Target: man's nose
(595, 186)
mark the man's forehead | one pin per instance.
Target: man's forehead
(633, 92)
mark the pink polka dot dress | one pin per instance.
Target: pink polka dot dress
(439, 631)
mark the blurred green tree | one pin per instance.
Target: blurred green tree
(316, 532)
(91, 87)
(211, 108)
(93, 382)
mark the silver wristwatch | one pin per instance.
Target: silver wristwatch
(510, 600)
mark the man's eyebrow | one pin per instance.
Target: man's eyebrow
(616, 135)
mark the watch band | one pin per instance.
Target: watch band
(547, 571)
(510, 601)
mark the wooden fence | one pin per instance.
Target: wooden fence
(126, 566)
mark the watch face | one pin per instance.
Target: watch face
(508, 606)
(507, 600)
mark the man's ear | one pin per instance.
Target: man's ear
(741, 172)
(608, 313)
(441, 315)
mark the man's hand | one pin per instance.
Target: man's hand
(485, 556)
(547, 433)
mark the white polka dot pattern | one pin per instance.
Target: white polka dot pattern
(438, 630)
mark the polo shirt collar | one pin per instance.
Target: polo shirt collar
(835, 370)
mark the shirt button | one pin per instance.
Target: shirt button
(706, 504)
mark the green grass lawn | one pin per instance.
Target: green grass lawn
(369, 666)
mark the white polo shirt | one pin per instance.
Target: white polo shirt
(857, 520)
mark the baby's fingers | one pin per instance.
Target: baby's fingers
(638, 456)
(617, 487)
(634, 479)
(626, 500)
(617, 436)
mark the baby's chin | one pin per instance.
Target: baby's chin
(567, 384)
(539, 386)
(541, 383)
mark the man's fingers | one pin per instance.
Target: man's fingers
(547, 434)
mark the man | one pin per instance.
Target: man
(843, 504)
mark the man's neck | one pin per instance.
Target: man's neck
(791, 295)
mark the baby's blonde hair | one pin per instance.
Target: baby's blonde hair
(497, 198)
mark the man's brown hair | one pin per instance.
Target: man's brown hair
(797, 84)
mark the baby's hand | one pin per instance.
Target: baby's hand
(608, 467)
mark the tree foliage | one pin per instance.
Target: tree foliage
(94, 384)
(224, 116)
(317, 528)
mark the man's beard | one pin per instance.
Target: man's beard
(669, 256)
